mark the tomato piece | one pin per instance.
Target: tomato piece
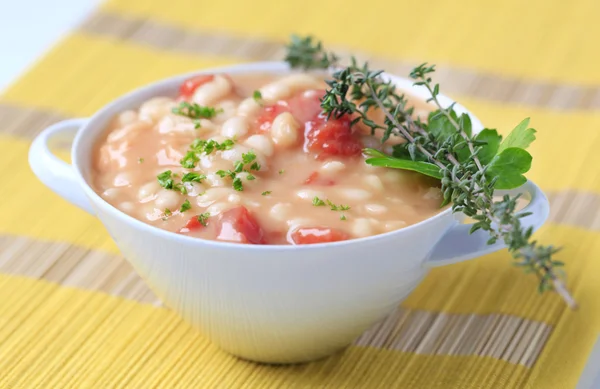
(268, 114)
(315, 178)
(192, 224)
(331, 136)
(238, 225)
(306, 106)
(314, 235)
(186, 90)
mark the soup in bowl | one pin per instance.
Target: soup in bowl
(254, 216)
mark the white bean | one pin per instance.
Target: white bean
(234, 199)
(332, 167)
(310, 194)
(211, 92)
(284, 130)
(111, 193)
(228, 109)
(355, 194)
(167, 199)
(376, 209)
(213, 194)
(248, 107)
(194, 188)
(155, 108)
(122, 179)
(286, 86)
(148, 191)
(128, 132)
(374, 182)
(214, 180)
(235, 127)
(261, 143)
(362, 227)
(394, 225)
(217, 208)
(175, 124)
(126, 117)
(300, 222)
(235, 153)
(126, 206)
(280, 211)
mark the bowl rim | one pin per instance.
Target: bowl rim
(83, 136)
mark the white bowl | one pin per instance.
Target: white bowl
(276, 304)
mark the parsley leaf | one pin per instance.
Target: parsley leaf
(203, 218)
(342, 217)
(195, 111)
(317, 202)
(168, 212)
(237, 184)
(193, 177)
(266, 193)
(381, 159)
(340, 207)
(255, 166)
(248, 157)
(140, 160)
(257, 96)
(250, 177)
(190, 160)
(281, 171)
(165, 180)
(185, 206)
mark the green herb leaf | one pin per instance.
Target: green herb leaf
(203, 218)
(255, 166)
(520, 136)
(195, 111)
(489, 141)
(140, 160)
(237, 184)
(317, 202)
(168, 212)
(266, 193)
(429, 169)
(508, 168)
(248, 157)
(342, 217)
(340, 207)
(250, 177)
(165, 180)
(440, 126)
(185, 206)
(193, 177)
(281, 171)
(257, 96)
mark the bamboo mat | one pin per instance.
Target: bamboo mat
(74, 314)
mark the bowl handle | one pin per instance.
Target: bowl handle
(52, 171)
(458, 245)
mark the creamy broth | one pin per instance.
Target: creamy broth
(307, 166)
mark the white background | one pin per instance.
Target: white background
(29, 27)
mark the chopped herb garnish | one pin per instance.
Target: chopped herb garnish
(140, 160)
(203, 217)
(257, 96)
(342, 217)
(250, 177)
(255, 166)
(165, 180)
(237, 184)
(225, 173)
(197, 124)
(201, 146)
(248, 157)
(266, 193)
(340, 207)
(281, 171)
(193, 177)
(168, 212)
(185, 206)
(317, 202)
(195, 111)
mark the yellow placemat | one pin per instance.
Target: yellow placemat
(74, 314)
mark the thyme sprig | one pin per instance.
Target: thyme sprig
(469, 166)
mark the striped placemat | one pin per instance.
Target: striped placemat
(74, 314)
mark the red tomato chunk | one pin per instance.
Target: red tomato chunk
(331, 137)
(317, 235)
(192, 225)
(238, 225)
(268, 114)
(190, 85)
